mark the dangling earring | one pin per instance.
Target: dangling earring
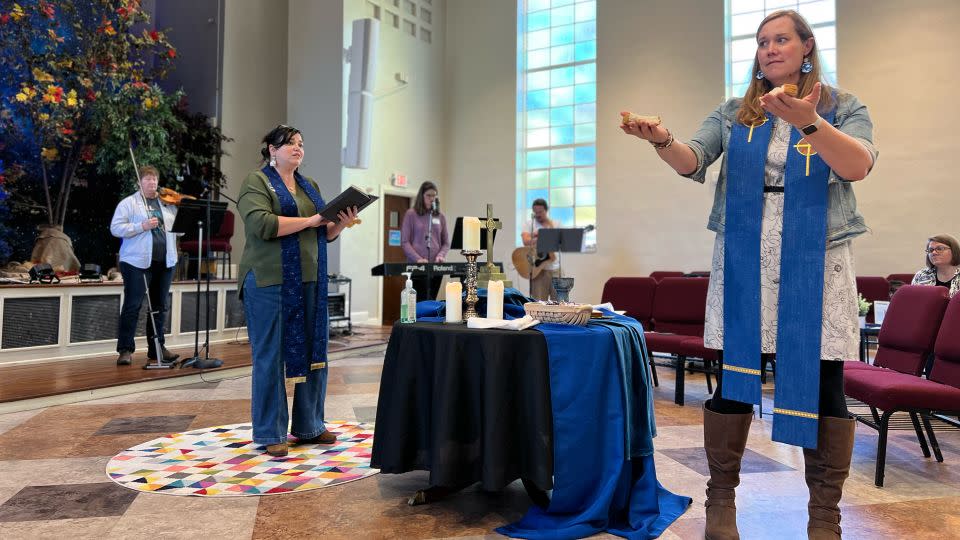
(273, 161)
(806, 66)
(760, 75)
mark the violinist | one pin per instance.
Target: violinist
(148, 248)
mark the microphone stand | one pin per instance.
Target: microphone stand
(532, 259)
(206, 362)
(429, 258)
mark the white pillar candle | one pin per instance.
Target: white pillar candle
(495, 300)
(454, 302)
(471, 233)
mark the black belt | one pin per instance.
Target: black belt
(773, 189)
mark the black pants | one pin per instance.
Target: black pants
(833, 402)
(159, 278)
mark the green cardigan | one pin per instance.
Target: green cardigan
(259, 209)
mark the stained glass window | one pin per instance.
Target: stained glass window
(557, 111)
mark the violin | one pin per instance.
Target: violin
(169, 196)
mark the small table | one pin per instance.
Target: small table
(467, 405)
(868, 331)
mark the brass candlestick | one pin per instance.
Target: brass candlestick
(472, 297)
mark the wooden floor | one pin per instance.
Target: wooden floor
(28, 381)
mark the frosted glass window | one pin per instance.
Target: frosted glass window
(557, 111)
(561, 116)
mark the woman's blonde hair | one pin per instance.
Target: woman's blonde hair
(750, 110)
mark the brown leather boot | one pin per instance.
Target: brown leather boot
(277, 450)
(826, 469)
(724, 439)
(326, 437)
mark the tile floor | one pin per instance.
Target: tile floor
(53, 485)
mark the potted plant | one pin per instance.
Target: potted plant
(864, 306)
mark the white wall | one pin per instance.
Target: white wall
(408, 137)
(254, 89)
(900, 59)
(314, 65)
(480, 60)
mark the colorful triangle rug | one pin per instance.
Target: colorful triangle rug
(223, 461)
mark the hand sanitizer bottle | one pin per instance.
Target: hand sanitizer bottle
(408, 302)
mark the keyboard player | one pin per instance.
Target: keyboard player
(424, 238)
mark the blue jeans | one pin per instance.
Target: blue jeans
(269, 400)
(159, 277)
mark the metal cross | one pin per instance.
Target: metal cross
(490, 224)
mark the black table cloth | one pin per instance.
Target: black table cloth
(467, 405)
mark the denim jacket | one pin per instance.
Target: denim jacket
(713, 137)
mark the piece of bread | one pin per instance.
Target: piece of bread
(630, 117)
(790, 90)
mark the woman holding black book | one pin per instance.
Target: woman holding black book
(283, 283)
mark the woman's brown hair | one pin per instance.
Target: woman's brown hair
(949, 241)
(148, 170)
(750, 110)
(418, 206)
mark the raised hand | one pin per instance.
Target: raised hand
(647, 128)
(799, 112)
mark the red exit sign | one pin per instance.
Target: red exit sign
(399, 180)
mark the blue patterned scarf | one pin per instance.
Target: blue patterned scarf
(291, 291)
(800, 305)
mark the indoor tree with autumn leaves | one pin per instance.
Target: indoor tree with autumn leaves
(77, 81)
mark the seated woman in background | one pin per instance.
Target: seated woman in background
(943, 264)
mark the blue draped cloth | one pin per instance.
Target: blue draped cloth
(602, 400)
(293, 348)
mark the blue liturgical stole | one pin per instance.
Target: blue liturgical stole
(800, 306)
(294, 354)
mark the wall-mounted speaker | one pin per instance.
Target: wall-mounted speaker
(362, 57)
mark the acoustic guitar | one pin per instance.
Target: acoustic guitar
(530, 263)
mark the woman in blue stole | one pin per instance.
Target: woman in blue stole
(782, 280)
(283, 283)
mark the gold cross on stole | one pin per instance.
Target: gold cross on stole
(805, 149)
(753, 125)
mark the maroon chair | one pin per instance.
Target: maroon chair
(679, 309)
(891, 391)
(908, 331)
(219, 243)
(635, 296)
(873, 288)
(660, 274)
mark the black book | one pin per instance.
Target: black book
(352, 196)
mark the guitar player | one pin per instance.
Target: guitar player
(541, 286)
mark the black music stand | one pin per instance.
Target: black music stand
(207, 215)
(561, 241)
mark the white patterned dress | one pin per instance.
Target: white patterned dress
(841, 334)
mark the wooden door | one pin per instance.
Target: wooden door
(394, 207)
